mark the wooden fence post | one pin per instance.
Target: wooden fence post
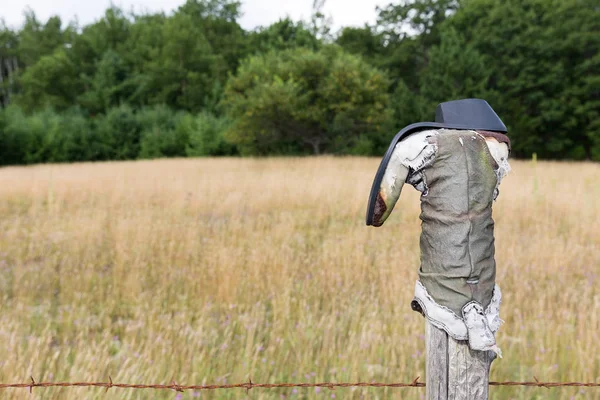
(454, 371)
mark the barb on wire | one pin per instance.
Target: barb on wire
(251, 385)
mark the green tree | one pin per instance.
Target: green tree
(37, 39)
(291, 101)
(282, 35)
(455, 70)
(110, 85)
(415, 17)
(51, 82)
(409, 106)
(154, 85)
(185, 67)
(9, 63)
(44, 136)
(206, 134)
(544, 60)
(159, 134)
(218, 21)
(409, 29)
(139, 52)
(12, 138)
(172, 62)
(50, 77)
(362, 41)
(118, 133)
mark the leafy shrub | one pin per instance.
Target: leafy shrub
(206, 134)
(44, 136)
(119, 135)
(306, 101)
(159, 137)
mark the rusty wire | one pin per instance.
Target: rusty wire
(251, 385)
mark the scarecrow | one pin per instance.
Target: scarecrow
(457, 163)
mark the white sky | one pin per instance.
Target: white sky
(255, 12)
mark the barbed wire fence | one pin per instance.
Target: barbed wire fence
(251, 385)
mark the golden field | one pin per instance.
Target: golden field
(220, 270)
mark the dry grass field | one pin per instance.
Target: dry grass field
(220, 270)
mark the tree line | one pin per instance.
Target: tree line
(194, 83)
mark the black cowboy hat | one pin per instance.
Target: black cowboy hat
(470, 114)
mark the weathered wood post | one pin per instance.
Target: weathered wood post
(453, 370)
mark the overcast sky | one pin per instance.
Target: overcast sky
(255, 12)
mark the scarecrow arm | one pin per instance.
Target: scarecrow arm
(410, 155)
(391, 187)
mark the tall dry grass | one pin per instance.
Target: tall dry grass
(220, 270)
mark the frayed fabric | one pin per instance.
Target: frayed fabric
(422, 153)
(480, 333)
(416, 151)
(476, 325)
(408, 159)
(492, 312)
(499, 150)
(440, 316)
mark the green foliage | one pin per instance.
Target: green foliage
(409, 29)
(109, 86)
(206, 134)
(9, 43)
(218, 21)
(424, 17)
(362, 41)
(455, 70)
(194, 83)
(301, 100)
(184, 67)
(37, 40)
(282, 35)
(44, 137)
(12, 142)
(159, 136)
(409, 107)
(119, 134)
(50, 83)
(545, 64)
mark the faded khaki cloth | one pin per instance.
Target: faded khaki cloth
(457, 237)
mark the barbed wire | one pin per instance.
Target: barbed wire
(251, 385)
